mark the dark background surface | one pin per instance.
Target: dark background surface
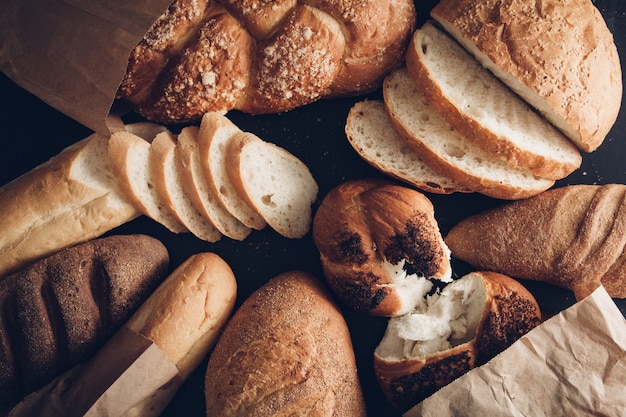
(32, 132)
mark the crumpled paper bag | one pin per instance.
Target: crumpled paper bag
(574, 364)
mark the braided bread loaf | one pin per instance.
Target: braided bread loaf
(262, 56)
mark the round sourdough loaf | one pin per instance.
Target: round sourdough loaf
(468, 323)
(261, 56)
(285, 352)
(558, 55)
(379, 245)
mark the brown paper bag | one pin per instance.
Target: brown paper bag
(130, 376)
(73, 54)
(574, 364)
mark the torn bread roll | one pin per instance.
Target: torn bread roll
(465, 325)
(376, 241)
(572, 237)
(58, 311)
(286, 351)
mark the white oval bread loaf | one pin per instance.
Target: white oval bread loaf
(263, 57)
(273, 182)
(558, 55)
(286, 351)
(374, 138)
(465, 325)
(446, 150)
(380, 246)
(485, 111)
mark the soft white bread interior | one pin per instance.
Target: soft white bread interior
(380, 246)
(450, 332)
(274, 182)
(485, 111)
(429, 135)
(374, 138)
(558, 55)
(187, 312)
(71, 198)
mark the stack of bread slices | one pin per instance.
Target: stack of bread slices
(212, 180)
(453, 120)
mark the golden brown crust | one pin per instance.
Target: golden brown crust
(285, 351)
(364, 225)
(572, 237)
(561, 50)
(284, 54)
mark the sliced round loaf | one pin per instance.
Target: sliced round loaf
(196, 187)
(484, 110)
(559, 55)
(216, 132)
(374, 138)
(275, 182)
(169, 188)
(436, 142)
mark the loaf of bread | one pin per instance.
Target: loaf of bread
(263, 57)
(58, 311)
(465, 325)
(286, 351)
(380, 246)
(572, 237)
(558, 55)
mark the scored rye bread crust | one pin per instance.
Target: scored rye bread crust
(510, 311)
(560, 57)
(263, 57)
(374, 138)
(364, 226)
(484, 110)
(170, 191)
(59, 310)
(196, 187)
(274, 182)
(447, 151)
(578, 230)
(286, 351)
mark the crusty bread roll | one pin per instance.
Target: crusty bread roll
(559, 55)
(58, 311)
(263, 57)
(573, 237)
(68, 199)
(379, 246)
(286, 351)
(186, 313)
(473, 319)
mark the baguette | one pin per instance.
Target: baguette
(572, 237)
(380, 246)
(59, 310)
(286, 351)
(560, 57)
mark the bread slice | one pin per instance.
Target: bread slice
(145, 129)
(195, 186)
(169, 188)
(273, 181)
(427, 133)
(560, 57)
(374, 138)
(216, 131)
(483, 109)
(129, 157)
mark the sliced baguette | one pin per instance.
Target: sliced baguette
(433, 139)
(374, 138)
(129, 157)
(196, 187)
(485, 110)
(215, 133)
(273, 181)
(169, 188)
